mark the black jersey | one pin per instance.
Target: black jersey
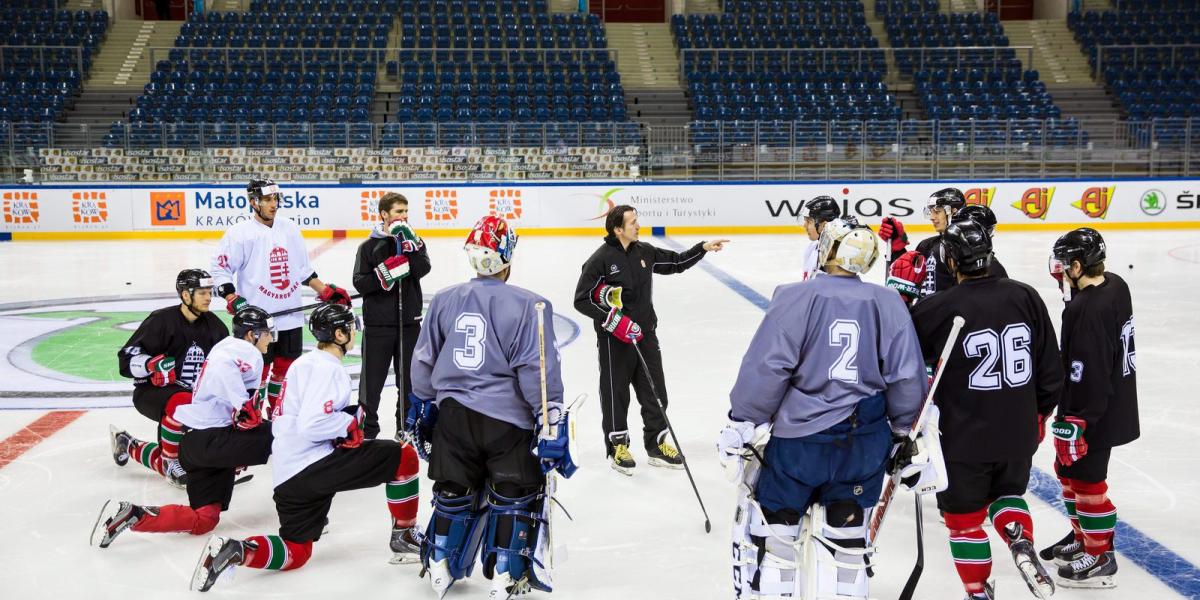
(937, 274)
(1099, 358)
(167, 331)
(379, 305)
(1004, 371)
(631, 269)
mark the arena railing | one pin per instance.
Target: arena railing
(44, 54)
(803, 150)
(1138, 51)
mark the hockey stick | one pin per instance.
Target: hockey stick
(671, 430)
(889, 488)
(551, 482)
(400, 364)
(910, 586)
(307, 307)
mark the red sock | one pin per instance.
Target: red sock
(176, 517)
(275, 553)
(1097, 515)
(970, 548)
(403, 491)
(1068, 496)
(279, 369)
(1006, 510)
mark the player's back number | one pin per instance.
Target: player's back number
(1004, 358)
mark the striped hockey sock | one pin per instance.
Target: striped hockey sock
(1068, 496)
(1097, 516)
(273, 392)
(970, 549)
(170, 432)
(275, 553)
(402, 492)
(147, 453)
(1006, 510)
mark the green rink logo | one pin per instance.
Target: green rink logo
(1153, 202)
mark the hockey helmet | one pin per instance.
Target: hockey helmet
(968, 243)
(1084, 245)
(192, 279)
(490, 245)
(821, 209)
(258, 189)
(949, 199)
(978, 213)
(329, 318)
(252, 318)
(849, 244)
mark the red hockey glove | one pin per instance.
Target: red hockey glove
(162, 370)
(335, 294)
(607, 296)
(249, 415)
(622, 327)
(235, 303)
(906, 275)
(1042, 428)
(1069, 442)
(392, 270)
(354, 433)
(891, 230)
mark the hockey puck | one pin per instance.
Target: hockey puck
(1130, 266)
(128, 283)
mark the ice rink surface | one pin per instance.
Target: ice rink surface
(633, 537)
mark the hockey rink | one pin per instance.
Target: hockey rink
(67, 306)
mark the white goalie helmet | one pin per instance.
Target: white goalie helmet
(849, 244)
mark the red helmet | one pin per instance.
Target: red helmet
(490, 245)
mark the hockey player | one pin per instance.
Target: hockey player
(388, 272)
(998, 386)
(814, 215)
(614, 291)
(163, 357)
(834, 362)
(263, 261)
(1099, 404)
(223, 431)
(923, 265)
(318, 451)
(477, 391)
(987, 220)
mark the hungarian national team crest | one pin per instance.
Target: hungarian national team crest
(280, 273)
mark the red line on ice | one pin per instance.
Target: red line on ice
(43, 427)
(326, 245)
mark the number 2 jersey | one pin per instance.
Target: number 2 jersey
(479, 346)
(166, 331)
(267, 266)
(1002, 373)
(824, 345)
(229, 377)
(1100, 359)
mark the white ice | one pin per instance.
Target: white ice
(638, 537)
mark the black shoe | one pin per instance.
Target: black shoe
(1090, 572)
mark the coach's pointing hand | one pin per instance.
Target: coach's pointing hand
(715, 245)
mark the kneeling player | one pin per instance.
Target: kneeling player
(998, 386)
(163, 358)
(478, 391)
(1099, 406)
(318, 451)
(223, 430)
(834, 360)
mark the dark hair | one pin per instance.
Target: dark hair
(616, 217)
(389, 199)
(1096, 270)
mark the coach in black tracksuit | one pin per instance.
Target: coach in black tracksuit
(376, 256)
(624, 262)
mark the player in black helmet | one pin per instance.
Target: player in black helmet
(1000, 382)
(921, 273)
(163, 358)
(318, 451)
(813, 216)
(1099, 404)
(987, 220)
(223, 430)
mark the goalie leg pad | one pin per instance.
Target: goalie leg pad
(837, 555)
(455, 531)
(513, 540)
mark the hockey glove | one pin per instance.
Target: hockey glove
(733, 445)
(354, 432)
(892, 231)
(335, 294)
(1042, 428)
(392, 270)
(162, 370)
(249, 415)
(622, 327)
(418, 424)
(406, 239)
(1069, 442)
(235, 303)
(554, 445)
(607, 296)
(906, 275)
(901, 460)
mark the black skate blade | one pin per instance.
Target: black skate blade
(243, 479)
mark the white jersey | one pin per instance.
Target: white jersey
(267, 265)
(310, 415)
(228, 378)
(810, 260)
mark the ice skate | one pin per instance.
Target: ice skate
(439, 577)
(120, 445)
(406, 546)
(1047, 553)
(988, 593)
(122, 516)
(1065, 555)
(174, 473)
(1035, 575)
(1091, 572)
(220, 555)
(621, 460)
(665, 455)
(504, 588)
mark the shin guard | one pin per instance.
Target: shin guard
(513, 543)
(970, 549)
(453, 537)
(1097, 515)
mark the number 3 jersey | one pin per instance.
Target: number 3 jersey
(1101, 363)
(267, 266)
(479, 346)
(1002, 373)
(824, 345)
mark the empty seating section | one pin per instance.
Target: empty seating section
(510, 61)
(45, 53)
(781, 61)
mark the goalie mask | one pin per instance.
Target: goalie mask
(848, 244)
(490, 245)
